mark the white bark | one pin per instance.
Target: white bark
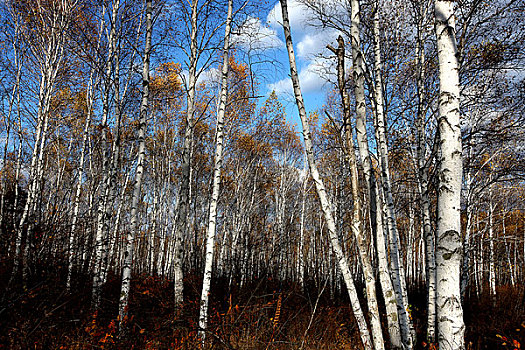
(139, 172)
(102, 208)
(48, 51)
(396, 265)
(387, 287)
(357, 224)
(492, 271)
(359, 89)
(300, 253)
(212, 220)
(76, 198)
(321, 191)
(451, 327)
(422, 177)
(185, 195)
(507, 248)
(398, 275)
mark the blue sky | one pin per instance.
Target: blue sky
(264, 35)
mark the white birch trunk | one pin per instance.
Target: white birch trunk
(451, 327)
(76, 198)
(398, 275)
(422, 177)
(184, 195)
(101, 228)
(387, 288)
(359, 88)
(507, 248)
(212, 220)
(49, 55)
(321, 191)
(300, 253)
(357, 224)
(139, 172)
(492, 271)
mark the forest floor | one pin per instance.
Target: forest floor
(263, 314)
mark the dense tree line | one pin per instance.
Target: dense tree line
(136, 141)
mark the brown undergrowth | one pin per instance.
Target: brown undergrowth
(263, 314)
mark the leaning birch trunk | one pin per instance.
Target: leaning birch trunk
(451, 327)
(398, 275)
(321, 191)
(357, 224)
(139, 172)
(212, 220)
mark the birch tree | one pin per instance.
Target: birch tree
(398, 275)
(139, 172)
(47, 48)
(184, 192)
(321, 191)
(357, 224)
(109, 159)
(219, 134)
(451, 327)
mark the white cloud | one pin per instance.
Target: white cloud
(312, 78)
(302, 18)
(317, 64)
(312, 44)
(212, 75)
(281, 86)
(254, 35)
(298, 14)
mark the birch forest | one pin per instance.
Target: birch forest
(159, 189)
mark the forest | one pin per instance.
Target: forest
(236, 174)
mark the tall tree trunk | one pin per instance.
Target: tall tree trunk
(321, 191)
(398, 275)
(184, 194)
(108, 162)
(422, 177)
(358, 72)
(359, 88)
(451, 327)
(492, 270)
(76, 198)
(49, 62)
(357, 224)
(219, 135)
(387, 287)
(300, 253)
(139, 172)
